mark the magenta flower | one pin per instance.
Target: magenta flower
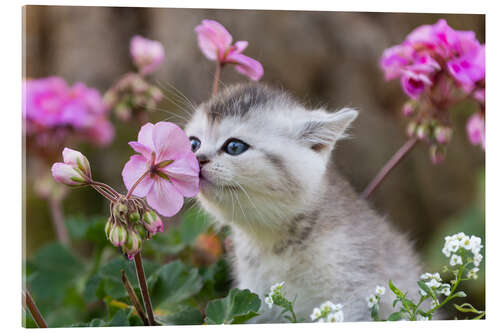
(469, 67)
(215, 43)
(414, 83)
(147, 54)
(54, 112)
(167, 166)
(476, 130)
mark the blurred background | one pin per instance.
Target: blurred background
(323, 58)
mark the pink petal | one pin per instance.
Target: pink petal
(141, 149)
(164, 198)
(145, 136)
(132, 171)
(247, 66)
(240, 46)
(184, 174)
(213, 38)
(169, 140)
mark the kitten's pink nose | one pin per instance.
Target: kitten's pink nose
(202, 159)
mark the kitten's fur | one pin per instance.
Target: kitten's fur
(293, 217)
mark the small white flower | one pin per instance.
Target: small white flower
(446, 251)
(475, 244)
(276, 288)
(455, 260)
(327, 307)
(433, 283)
(315, 314)
(372, 300)
(472, 274)
(336, 316)
(422, 292)
(460, 236)
(379, 290)
(453, 245)
(436, 277)
(445, 290)
(477, 259)
(269, 301)
(425, 276)
(466, 243)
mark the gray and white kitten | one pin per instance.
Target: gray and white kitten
(265, 170)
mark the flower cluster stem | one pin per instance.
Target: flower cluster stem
(30, 305)
(134, 299)
(144, 288)
(387, 168)
(215, 85)
(58, 220)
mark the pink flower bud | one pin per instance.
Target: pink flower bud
(147, 54)
(152, 222)
(437, 154)
(476, 130)
(443, 134)
(76, 159)
(411, 129)
(409, 108)
(107, 228)
(118, 235)
(422, 132)
(133, 244)
(67, 175)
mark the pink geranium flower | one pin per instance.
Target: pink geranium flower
(147, 54)
(169, 168)
(215, 43)
(55, 111)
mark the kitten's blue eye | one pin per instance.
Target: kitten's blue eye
(235, 147)
(195, 143)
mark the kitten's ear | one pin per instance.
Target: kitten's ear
(323, 129)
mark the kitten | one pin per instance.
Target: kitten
(265, 171)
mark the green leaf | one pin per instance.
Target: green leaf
(185, 316)
(238, 307)
(121, 318)
(173, 283)
(53, 270)
(107, 281)
(425, 288)
(395, 316)
(395, 290)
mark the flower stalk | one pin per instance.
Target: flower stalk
(387, 168)
(30, 305)
(58, 220)
(133, 298)
(141, 277)
(215, 85)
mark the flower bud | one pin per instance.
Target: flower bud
(67, 175)
(437, 154)
(443, 134)
(152, 222)
(118, 235)
(120, 210)
(139, 229)
(155, 93)
(134, 217)
(422, 131)
(409, 108)
(123, 111)
(133, 244)
(411, 129)
(76, 159)
(107, 228)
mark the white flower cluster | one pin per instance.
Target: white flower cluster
(461, 241)
(372, 300)
(276, 290)
(434, 282)
(328, 313)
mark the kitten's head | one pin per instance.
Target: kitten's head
(262, 155)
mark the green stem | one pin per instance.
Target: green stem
(451, 295)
